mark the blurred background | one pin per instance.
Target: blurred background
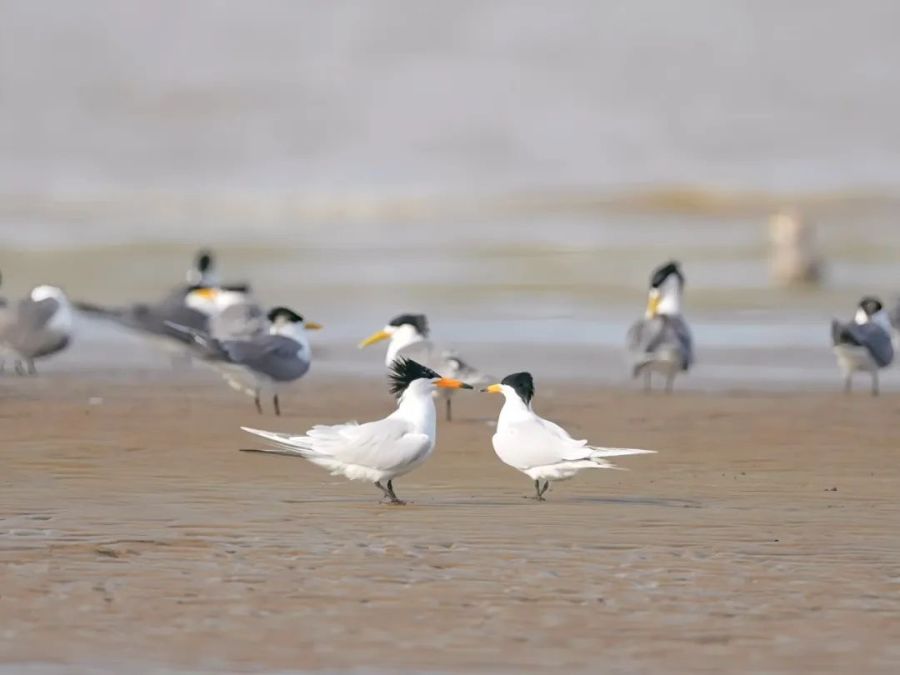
(513, 169)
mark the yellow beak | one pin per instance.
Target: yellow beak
(493, 389)
(206, 293)
(653, 303)
(450, 383)
(312, 325)
(375, 337)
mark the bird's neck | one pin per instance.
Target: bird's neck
(418, 409)
(514, 410)
(402, 337)
(295, 332)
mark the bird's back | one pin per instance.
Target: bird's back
(874, 339)
(661, 336)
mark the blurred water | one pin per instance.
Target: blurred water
(513, 169)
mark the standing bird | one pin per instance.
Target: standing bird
(40, 325)
(382, 450)
(661, 341)
(408, 335)
(264, 362)
(864, 343)
(540, 449)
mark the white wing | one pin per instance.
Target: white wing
(539, 442)
(384, 445)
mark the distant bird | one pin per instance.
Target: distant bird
(661, 342)
(39, 326)
(379, 451)
(408, 335)
(794, 256)
(864, 343)
(197, 304)
(264, 362)
(203, 271)
(540, 449)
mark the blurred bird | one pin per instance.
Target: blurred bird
(194, 305)
(540, 449)
(408, 335)
(382, 450)
(864, 343)
(661, 341)
(39, 325)
(203, 272)
(263, 362)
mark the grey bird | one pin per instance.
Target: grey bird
(409, 339)
(661, 342)
(863, 344)
(194, 305)
(40, 325)
(265, 362)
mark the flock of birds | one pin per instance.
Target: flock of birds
(258, 351)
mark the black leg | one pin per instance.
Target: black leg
(383, 489)
(449, 411)
(545, 488)
(538, 493)
(19, 369)
(874, 383)
(394, 499)
(277, 406)
(256, 401)
(31, 369)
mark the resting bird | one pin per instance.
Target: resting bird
(379, 451)
(661, 341)
(864, 343)
(408, 335)
(264, 362)
(40, 325)
(540, 449)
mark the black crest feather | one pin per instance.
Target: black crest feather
(404, 372)
(283, 312)
(204, 260)
(871, 305)
(523, 383)
(663, 272)
(417, 320)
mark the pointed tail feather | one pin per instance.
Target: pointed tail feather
(286, 445)
(96, 310)
(618, 452)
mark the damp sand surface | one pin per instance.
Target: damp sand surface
(764, 536)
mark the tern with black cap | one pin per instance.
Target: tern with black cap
(863, 344)
(661, 341)
(377, 452)
(540, 449)
(263, 362)
(408, 336)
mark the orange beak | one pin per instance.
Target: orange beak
(450, 383)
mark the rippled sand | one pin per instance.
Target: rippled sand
(765, 536)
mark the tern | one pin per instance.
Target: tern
(540, 449)
(263, 362)
(408, 335)
(864, 343)
(661, 341)
(379, 451)
(38, 326)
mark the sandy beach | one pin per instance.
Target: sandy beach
(762, 537)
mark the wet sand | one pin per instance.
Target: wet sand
(765, 536)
